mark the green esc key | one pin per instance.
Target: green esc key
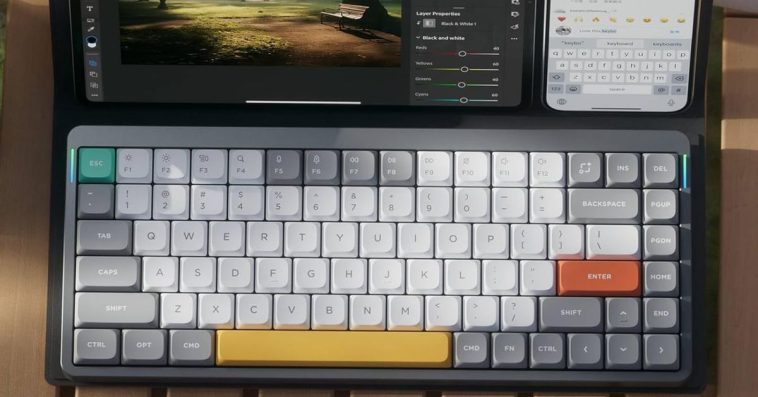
(97, 165)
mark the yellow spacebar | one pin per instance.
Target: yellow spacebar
(333, 349)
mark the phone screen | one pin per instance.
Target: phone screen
(619, 55)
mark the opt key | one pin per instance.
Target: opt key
(97, 165)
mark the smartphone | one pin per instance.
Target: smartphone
(619, 55)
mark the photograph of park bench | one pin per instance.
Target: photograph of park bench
(320, 33)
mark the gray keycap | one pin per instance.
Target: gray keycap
(127, 310)
(622, 351)
(107, 273)
(585, 170)
(661, 242)
(322, 167)
(143, 347)
(104, 238)
(661, 206)
(284, 167)
(679, 90)
(557, 77)
(398, 169)
(585, 351)
(358, 167)
(661, 315)
(622, 315)
(546, 351)
(680, 78)
(96, 347)
(661, 279)
(622, 170)
(660, 171)
(560, 314)
(509, 351)
(604, 206)
(555, 88)
(661, 90)
(573, 89)
(95, 202)
(194, 348)
(471, 350)
(661, 352)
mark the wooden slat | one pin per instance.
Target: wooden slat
(570, 395)
(98, 391)
(385, 393)
(294, 393)
(203, 392)
(467, 394)
(24, 199)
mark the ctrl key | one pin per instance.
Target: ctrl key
(192, 348)
(96, 347)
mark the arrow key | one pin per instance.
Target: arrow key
(622, 315)
(622, 352)
(585, 351)
(662, 352)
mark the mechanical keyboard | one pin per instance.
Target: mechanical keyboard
(516, 254)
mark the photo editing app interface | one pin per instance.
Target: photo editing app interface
(619, 55)
(351, 52)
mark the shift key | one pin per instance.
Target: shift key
(604, 206)
(116, 310)
(104, 238)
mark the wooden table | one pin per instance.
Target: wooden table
(24, 195)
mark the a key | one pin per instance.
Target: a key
(349, 276)
(367, 312)
(661, 279)
(132, 201)
(191, 348)
(481, 313)
(518, 314)
(471, 350)
(340, 240)
(613, 242)
(622, 352)
(284, 167)
(215, 311)
(509, 205)
(386, 276)
(134, 166)
(226, 238)
(322, 167)
(397, 204)
(246, 203)
(292, 312)
(95, 202)
(571, 314)
(661, 315)
(500, 277)
(254, 311)
(434, 168)
(143, 347)
(443, 313)
(415, 240)
(322, 203)
(235, 275)
(209, 166)
(661, 352)
(661, 242)
(197, 274)
(547, 351)
(472, 169)
(509, 350)
(509, 169)
(424, 276)
(284, 203)
(405, 313)
(246, 167)
(265, 239)
(397, 169)
(160, 274)
(208, 202)
(491, 241)
(434, 204)
(359, 204)
(660, 206)
(104, 238)
(359, 167)
(622, 315)
(103, 273)
(96, 347)
(178, 311)
(585, 351)
(660, 170)
(547, 170)
(462, 277)
(117, 309)
(613, 206)
(171, 202)
(171, 166)
(273, 275)
(329, 312)
(189, 238)
(311, 276)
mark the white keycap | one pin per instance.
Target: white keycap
(566, 242)
(367, 312)
(322, 203)
(481, 313)
(254, 311)
(178, 311)
(235, 275)
(491, 241)
(547, 170)
(472, 169)
(424, 276)
(208, 202)
(377, 240)
(209, 166)
(340, 240)
(134, 166)
(160, 274)
(226, 239)
(302, 239)
(462, 277)
(265, 239)
(452, 240)
(472, 205)
(359, 204)
(443, 313)
(386, 276)
(133, 201)
(170, 202)
(292, 312)
(284, 203)
(613, 242)
(509, 205)
(151, 237)
(434, 204)
(397, 204)
(415, 240)
(215, 311)
(528, 241)
(405, 313)
(547, 206)
(537, 278)
(683, 55)
(349, 276)
(189, 238)
(246, 167)
(311, 276)
(246, 203)
(329, 312)
(273, 275)
(500, 277)
(171, 166)
(197, 275)
(518, 314)
(435, 168)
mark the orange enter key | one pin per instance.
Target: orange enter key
(598, 278)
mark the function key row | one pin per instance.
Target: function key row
(389, 168)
